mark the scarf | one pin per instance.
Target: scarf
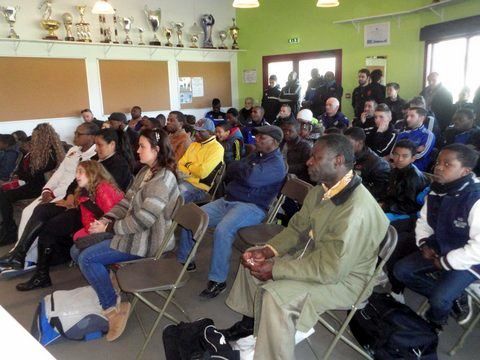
(338, 187)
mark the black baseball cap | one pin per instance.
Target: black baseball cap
(270, 130)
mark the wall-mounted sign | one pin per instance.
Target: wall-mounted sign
(377, 34)
(294, 40)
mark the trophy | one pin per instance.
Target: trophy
(153, 18)
(10, 14)
(115, 27)
(168, 35)
(140, 36)
(223, 36)
(47, 22)
(234, 34)
(68, 23)
(195, 31)
(83, 28)
(105, 32)
(127, 26)
(179, 30)
(207, 23)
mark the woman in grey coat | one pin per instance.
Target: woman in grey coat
(138, 224)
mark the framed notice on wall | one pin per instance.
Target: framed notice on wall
(250, 76)
(377, 34)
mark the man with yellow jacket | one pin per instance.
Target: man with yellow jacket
(200, 162)
(335, 239)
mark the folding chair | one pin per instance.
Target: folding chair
(386, 249)
(162, 276)
(257, 235)
(217, 181)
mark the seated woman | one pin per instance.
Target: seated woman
(138, 224)
(43, 153)
(96, 194)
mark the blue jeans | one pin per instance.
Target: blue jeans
(93, 263)
(415, 272)
(191, 193)
(228, 217)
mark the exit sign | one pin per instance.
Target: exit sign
(294, 40)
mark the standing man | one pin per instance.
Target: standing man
(375, 90)
(252, 183)
(314, 85)
(290, 94)
(279, 295)
(359, 95)
(270, 99)
(439, 100)
(136, 122)
(88, 117)
(330, 89)
(179, 139)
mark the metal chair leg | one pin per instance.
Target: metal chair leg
(464, 336)
(423, 308)
(177, 305)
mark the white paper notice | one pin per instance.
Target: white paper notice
(250, 76)
(197, 86)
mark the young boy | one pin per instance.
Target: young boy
(448, 237)
(232, 141)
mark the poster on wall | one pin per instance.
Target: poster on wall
(377, 34)
(197, 87)
(185, 85)
(250, 76)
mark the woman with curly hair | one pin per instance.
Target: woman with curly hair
(44, 153)
(96, 194)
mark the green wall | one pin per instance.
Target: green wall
(265, 31)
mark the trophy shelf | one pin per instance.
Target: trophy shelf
(153, 48)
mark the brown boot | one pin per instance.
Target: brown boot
(117, 320)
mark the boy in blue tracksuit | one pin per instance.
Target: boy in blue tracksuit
(448, 236)
(231, 139)
(423, 138)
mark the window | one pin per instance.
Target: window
(456, 60)
(302, 64)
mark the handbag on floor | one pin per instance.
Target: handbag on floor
(74, 314)
(390, 330)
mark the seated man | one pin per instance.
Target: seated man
(216, 114)
(448, 236)
(232, 144)
(463, 129)
(54, 192)
(280, 294)
(295, 150)
(200, 162)
(87, 116)
(373, 170)
(177, 135)
(394, 101)
(366, 121)
(384, 136)
(256, 120)
(252, 184)
(420, 136)
(332, 117)
(10, 153)
(284, 114)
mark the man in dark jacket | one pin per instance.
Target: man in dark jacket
(373, 170)
(87, 117)
(295, 150)
(9, 154)
(375, 90)
(439, 100)
(252, 183)
(285, 114)
(366, 121)
(394, 101)
(257, 119)
(384, 136)
(330, 89)
(332, 117)
(270, 99)
(359, 95)
(290, 94)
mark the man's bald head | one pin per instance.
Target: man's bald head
(331, 106)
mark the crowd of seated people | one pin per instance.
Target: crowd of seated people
(116, 188)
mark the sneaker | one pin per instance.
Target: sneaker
(191, 267)
(213, 289)
(398, 297)
(462, 310)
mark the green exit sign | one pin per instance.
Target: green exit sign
(294, 40)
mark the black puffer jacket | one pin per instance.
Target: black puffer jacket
(404, 186)
(374, 171)
(297, 155)
(270, 102)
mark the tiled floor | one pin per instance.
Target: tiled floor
(22, 307)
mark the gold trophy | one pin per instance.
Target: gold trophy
(68, 23)
(47, 22)
(223, 36)
(234, 34)
(168, 35)
(83, 28)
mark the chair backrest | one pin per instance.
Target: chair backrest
(18, 161)
(388, 244)
(191, 217)
(217, 180)
(171, 230)
(294, 189)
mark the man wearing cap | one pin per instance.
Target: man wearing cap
(332, 117)
(252, 184)
(200, 162)
(310, 128)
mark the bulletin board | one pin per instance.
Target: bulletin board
(126, 83)
(216, 81)
(40, 88)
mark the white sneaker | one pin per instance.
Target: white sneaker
(398, 297)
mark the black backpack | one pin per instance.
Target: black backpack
(390, 330)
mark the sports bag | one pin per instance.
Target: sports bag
(74, 314)
(391, 330)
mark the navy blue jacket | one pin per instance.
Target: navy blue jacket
(8, 162)
(256, 179)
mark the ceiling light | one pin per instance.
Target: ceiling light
(327, 3)
(103, 7)
(245, 4)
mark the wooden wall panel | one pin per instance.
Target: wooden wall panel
(127, 83)
(39, 88)
(216, 82)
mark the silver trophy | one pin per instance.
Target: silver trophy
(140, 36)
(154, 18)
(195, 32)
(168, 34)
(179, 30)
(68, 23)
(127, 26)
(10, 14)
(223, 36)
(207, 23)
